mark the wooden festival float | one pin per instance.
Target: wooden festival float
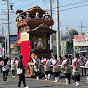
(34, 35)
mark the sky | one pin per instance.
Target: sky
(71, 18)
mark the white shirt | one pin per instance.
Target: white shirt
(64, 62)
(48, 63)
(84, 59)
(78, 64)
(12, 63)
(36, 61)
(54, 61)
(86, 63)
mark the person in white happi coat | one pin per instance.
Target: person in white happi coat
(87, 66)
(13, 67)
(47, 68)
(66, 68)
(76, 69)
(83, 60)
(56, 70)
(36, 60)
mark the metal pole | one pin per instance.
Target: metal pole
(2, 30)
(58, 30)
(5, 44)
(74, 47)
(81, 27)
(8, 38)
(50, 12)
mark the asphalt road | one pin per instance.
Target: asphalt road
(33, 83)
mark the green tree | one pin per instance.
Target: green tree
(72, 33)
(17, 48)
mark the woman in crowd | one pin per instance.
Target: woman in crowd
(8, 64)
(4, 69)
(21, 75)
(13, 67)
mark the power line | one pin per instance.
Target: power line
(29, 4)
(25, 6)
(19, 0)
(74, 7)
(71, 4)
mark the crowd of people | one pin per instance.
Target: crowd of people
(14, 64)
(49, 67)
(70, 67)
(37, 16)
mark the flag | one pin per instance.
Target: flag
(18, 37)
(25, 51)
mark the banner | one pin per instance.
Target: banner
(25, 51)
(80, 40)
(18, 37)
(63, 48)
(79, 37)
(24, 36)
(80, 43)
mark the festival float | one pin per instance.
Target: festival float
(34, 35)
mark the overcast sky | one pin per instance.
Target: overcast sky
(71, 17)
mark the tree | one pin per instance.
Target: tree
(17, 48)
(72, 33)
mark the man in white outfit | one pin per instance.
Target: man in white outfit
(67, 69)
(36, 60)
(47, 68)
(56, 69)
(83, 60)
(76, 69)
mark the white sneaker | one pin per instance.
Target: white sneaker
(86, 81)
(4, 81)
(37, 77)
(26, 87)
(56, 79)
(46, 79)
(77, 83)
(13, 76)
(67, 82)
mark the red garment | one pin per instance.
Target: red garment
(36, 60)
(67, 63)
(18, 37)
(45, 61)
(75, 63)
(55, 63)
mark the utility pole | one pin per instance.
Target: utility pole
(81, 27)
(50, 12)
(2, 30)
(58, 30)
(8, 38)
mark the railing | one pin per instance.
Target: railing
(49, 21)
